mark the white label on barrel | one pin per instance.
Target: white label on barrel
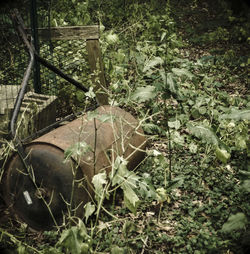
(27, 197)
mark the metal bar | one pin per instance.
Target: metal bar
(20, 96)
(60, 73)
(44, 62)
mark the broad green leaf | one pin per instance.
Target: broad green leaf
(202, 110)
(118, 250)
(106, 118)
(76, 150)
(21, 249)
(152, 128)
(175, 124)
(193, 148)
(131, 184)
(178, 138)
(119, 171)
(152, 63)
(112, 38)
(204, 133)
(182, 72)
(99, 181)
(146, 189)
(195, 113)
(163, 76)
(82, 229)
(89, 210)
(222, 154)
(235, 222)
(101, 117)
(162, 195)
(171, 83)
(176, 182)
(128, 227)
(237, 115)
(246, 185)
(153, 153)
(131, 200)
(90, 93)
(72, 240)
(143, 94)
(241, 142)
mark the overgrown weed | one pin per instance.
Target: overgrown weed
(198, 157)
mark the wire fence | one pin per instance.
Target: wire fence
(57, 97)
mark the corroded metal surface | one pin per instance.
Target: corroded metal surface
(49, 184)
(112, 131)
(107, 133)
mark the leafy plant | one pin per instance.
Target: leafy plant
(181, 67)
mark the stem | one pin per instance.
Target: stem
(16, 241)
(95, 143)
(169, 147)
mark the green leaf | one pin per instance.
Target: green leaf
(143, 94)
(131, 200)
(112, 38)
(193, 148)
(246, 185)
(21, 249)
(235, 222)
(131, 184)
(178, 138)
(76, 150)
(82, 229)
(128, 227)
(101, 117)
(175, 124)
(152, 63)
(162, 195)
(163, 76)
(118, 250)
(151, 128)
(204, 133)
(171, 83)
(163, 36)
(182, 72)
(72, 239)
(146, 188)
(89, 210)
(202, 110)
(237, 115)
(222, 154)
(119, 171)
(241, 142)
(176, 182)
(90, 93)
(99, 181)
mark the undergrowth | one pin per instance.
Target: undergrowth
(185, 73)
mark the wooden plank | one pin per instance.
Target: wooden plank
(97, 71)
(69, 33)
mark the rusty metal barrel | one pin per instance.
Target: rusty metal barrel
(43, 196)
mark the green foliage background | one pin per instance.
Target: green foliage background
(182, 67)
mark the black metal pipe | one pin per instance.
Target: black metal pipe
(60, 73)
(20, 96)
(33, 55)
(44, 62)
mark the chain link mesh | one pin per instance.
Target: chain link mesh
(58, 97)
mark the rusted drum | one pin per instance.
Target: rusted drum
(54, 186)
